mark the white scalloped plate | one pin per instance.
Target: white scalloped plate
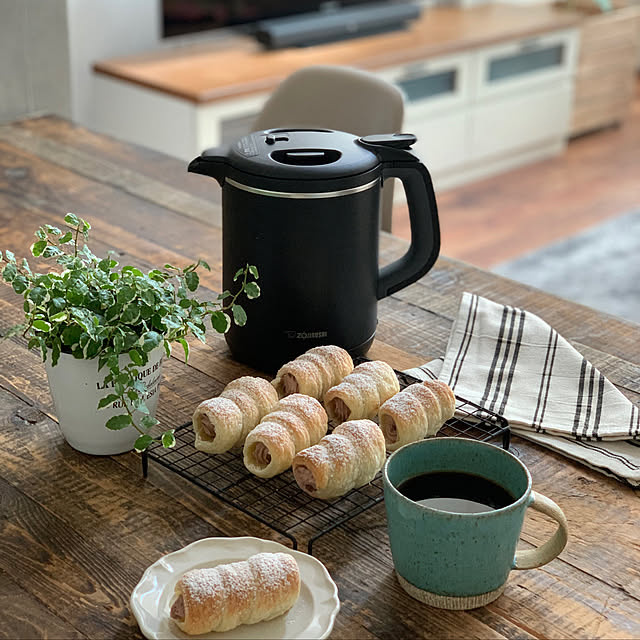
(312, 616)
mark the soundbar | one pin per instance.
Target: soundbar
(327, 26)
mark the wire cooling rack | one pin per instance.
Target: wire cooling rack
(278, 502)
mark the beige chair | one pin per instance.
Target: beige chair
(339, 98)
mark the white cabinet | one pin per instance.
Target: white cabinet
(520, 121)
(490, 108)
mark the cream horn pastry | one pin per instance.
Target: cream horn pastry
(417, 412)
(313, 372)
(346, 459)
(224, 422)
(297, 422)
(262, 587)
(362, 392)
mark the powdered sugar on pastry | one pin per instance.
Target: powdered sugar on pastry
(263, 587)
(224, 422)
(348, 458)
(313, 372)
(296, 422)
(418, 411)
(362, 392)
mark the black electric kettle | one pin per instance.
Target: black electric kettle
(303, 206)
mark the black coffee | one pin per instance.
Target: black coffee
(456, 492)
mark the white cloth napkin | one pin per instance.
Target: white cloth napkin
(512, 362)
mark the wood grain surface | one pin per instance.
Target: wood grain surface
(78, 531)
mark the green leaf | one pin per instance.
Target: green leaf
(91, 349)
(55, 351)
(38, 295)
(142, 443)
(220, 321)
(10, 272)
(168, 439)
(118, 422)
(167, 348)
(108, 400)
(239, 273)
(141, 407)
(10, 256)
(51, 229)
(104, 265)
(148, 297)
(136, 358)
(72, 219)
(65, 238)
(77, 292)
(125, 295)
(148, 421)
(41, 234)
(253, 271)
(41, 325)
(151, 340)
(130, 314)
(185, 346)
(239, 315)
(202, 263)
(38, 247)
(20, 284)
(51, 251)
(252, 290)
(71, 335)
(172, 321)
(192, 280)
(25, 266)
(59, 317)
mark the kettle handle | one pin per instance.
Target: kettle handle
(425, 228)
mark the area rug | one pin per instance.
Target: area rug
(599, 267)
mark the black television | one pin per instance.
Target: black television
(180, 17)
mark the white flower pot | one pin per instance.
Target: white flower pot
(77, 387)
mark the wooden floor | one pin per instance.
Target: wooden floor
(504, 216)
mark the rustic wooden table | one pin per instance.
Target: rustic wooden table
(78, 531)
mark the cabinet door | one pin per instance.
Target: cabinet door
(520, 66)
(521, 121)
(433, 85)
(442, 141)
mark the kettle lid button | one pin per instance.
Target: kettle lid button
(393, 140)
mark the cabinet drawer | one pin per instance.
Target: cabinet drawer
(521, 121)
(521, 65)
(442, 141)
(431, 85)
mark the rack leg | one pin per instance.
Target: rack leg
(145, 464)
(506, 439)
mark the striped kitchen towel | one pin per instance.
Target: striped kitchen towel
(512, 362)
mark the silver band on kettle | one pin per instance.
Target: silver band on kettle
(303, 196)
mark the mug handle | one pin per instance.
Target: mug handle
(532, 558)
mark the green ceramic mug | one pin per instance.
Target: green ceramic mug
(462, 560)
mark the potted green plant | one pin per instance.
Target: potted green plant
(103, 329)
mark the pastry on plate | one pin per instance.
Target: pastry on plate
(224, 422)
(262, 587)
(313, 372)
(346, 459)
(296, 422)
(417, 412)
(362, 392)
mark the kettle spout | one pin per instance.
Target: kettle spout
(212, 166)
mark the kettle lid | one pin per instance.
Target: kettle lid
(302, 154)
